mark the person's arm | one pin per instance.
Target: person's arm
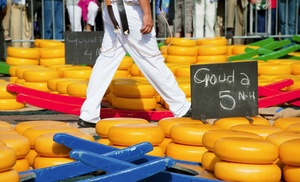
(147, 18)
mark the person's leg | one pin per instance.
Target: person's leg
(145, 53)
(16, 28)
(47, 21)
(261, 21)
(177, 19)
(189, 14)
(58, 20)
(210, 18)
(92, 13)
(103, 71)
(292, 9)
(239, 29)
(75, 17)
(199, 18)
(6, 20)
(2, 44)
(26, 30)
(282, 16)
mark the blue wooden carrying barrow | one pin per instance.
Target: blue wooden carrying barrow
(97, 162)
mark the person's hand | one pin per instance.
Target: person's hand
(147, 24)
(287, 113)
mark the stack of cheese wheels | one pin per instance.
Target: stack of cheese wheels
(209, 159)
(187, 141)
(241, 49)
(229, 122)
(77, 89)
(105, 124)
(289, 155)
(16, 72)
(124, 135)
(21, 146)
(212, 50)
(52, 52)
(7, 99)
(167, 123)
(8, 160)
(22, 126)
(52, 83)
(50, 153)
(17, 56)
(123, 70)
(284, 123)
(132, 94)
(61, 86)
(181, 51)
(262, 130)
(134, 70)
(246, 158)
(78, 72)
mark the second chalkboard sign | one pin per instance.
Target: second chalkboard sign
(224, 90)
(82, 47)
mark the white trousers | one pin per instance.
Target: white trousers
(205, 18)
(75, 14)
(145, 53)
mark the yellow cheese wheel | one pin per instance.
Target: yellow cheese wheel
(209, 159)
(291, 173)
(134, 103)
(131, 134)
(8, 158)
(4, 130)
(63, 68)
(62, 85)
(240, 49)
(22, 126)
(45, 146)
(126, 63)
(185, 152)
(132, 89)
(245, 150)
(21, 52)
(181, 59)
(212, 59)
(283, 123)
(190, 133)
(21, 69)
(10, 175)
(289, 152)
(51, 84)
(30, 157)
(216, 41)
(43, 162)
(230, 171)
(165, 143)
(4, 94)
(77, 89)
(182, 42)
(135, 71)
(55, 52)
(293, 127)
(10, 104)
(21, 165)
(229, 122)
(185, 86)
(42, 75)
(14, 61)
(5, 124)
(274, 69)
(50, 43)
(41, 86)
(295, 68)
(206, 50)
(209, 138)
(18, 143)
(262, 130)
(183, 71)
(167, 123)
(12, 70)
(183, 51)
(103, 141)
(52, 61)
(77, 73)
(280, 137)
(33, 132)
(156, 151)
(295, 86)
(105, 124)
(122, 74)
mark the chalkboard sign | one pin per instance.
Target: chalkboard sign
(82, 47)
(224, 90)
